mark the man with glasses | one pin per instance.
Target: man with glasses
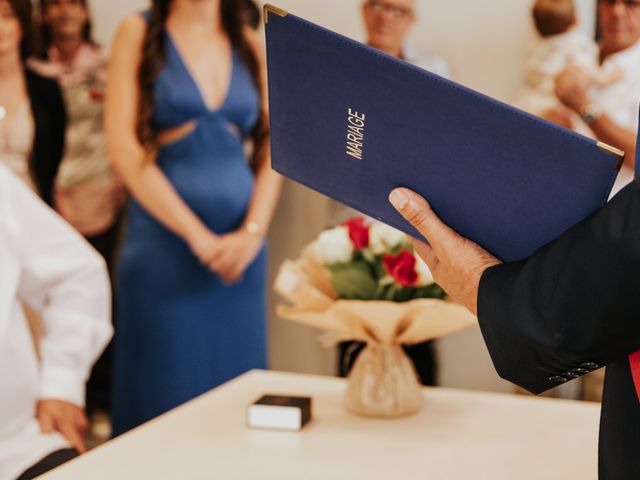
(388, 23)
(610, 112)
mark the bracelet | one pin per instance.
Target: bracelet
(252, 228)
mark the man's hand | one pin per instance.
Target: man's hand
(64, 417)
(457, 264)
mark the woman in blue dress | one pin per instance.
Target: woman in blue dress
(185, 93)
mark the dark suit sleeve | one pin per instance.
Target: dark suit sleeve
(572, 307)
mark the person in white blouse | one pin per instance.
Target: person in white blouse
(51, 268)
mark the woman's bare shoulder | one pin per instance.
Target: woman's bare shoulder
(132, 28)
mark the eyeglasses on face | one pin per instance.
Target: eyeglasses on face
(626, 3)
(379, 7)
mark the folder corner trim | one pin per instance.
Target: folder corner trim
(613, 151)
(268, 8)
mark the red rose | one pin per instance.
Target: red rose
(358, 232)
(402, 268)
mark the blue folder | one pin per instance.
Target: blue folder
(354, 123)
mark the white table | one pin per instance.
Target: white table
(458, 435)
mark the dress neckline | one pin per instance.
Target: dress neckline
(194, 82)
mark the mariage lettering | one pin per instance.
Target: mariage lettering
(355, 134)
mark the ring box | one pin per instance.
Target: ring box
(279, 412)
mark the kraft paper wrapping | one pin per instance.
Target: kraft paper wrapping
(306, 284)
(383, 381)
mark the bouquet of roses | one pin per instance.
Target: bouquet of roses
(363, 281)
(374, 262)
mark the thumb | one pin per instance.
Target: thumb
(417, 211)
(47, 424)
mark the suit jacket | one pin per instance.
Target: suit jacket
(573, 307)
(47, 107)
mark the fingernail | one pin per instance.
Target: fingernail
(399, 199)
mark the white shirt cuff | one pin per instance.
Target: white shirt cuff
(61, 383)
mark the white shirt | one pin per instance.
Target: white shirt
(429, 62)
(47, 265)
(621, 100)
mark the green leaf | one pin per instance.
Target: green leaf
(401, 247)
(390, 292)
(368, 255)
(404, 294)
(356, 264)
(354, 282)
(378, 267)
(431, 291)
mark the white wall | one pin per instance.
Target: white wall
(485, 43)
(108, 13)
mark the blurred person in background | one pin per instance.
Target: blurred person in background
(32, 113)
(252, 14)
(87, 193)
(186, 91)
(388, 24)
(50, 267)
(560, 44)
(610, 113)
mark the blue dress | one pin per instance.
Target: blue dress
(179, 330)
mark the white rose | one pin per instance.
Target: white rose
(383, 238)
(334, 246)
(424, 274)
